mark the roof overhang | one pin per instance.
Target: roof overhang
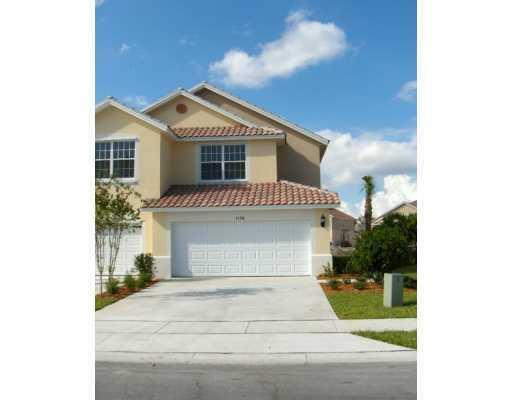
(240, 208)
(305, 132)
(197, 99)
(280, 138)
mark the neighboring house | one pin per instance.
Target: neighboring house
(228, 189)
(406, 208)
(343, 229)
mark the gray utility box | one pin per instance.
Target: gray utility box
(393, 290)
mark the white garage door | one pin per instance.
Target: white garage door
(130, 246)
(238, 249)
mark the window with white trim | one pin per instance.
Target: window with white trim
(115, 159)
(223, 162)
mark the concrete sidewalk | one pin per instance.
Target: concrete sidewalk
(252, 342)
(248, 327)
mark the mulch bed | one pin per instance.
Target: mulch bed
(123, 291)
(340, 276)
(370, 287)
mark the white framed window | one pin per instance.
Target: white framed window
(115, 158)
(223, 162)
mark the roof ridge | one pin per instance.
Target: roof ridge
(205, 84)
(197, 99)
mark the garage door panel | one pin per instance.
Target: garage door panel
(267, 269)
(253, 248)
(250, 269)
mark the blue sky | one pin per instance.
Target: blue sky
(345, 69)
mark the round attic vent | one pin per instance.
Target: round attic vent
(181, 108)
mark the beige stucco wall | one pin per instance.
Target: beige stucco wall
(298, 160)
(115, 124)
(262, 158)
(166, 161)
(322, 235)
(181, 167)
(183, 163)
(196, 115)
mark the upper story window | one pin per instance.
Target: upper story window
(116, 159)
(223, 162)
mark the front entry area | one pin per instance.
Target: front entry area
(265, 248)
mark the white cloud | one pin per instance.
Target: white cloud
(348, 158)
(397, 189)
(303, 43)
(136, 101)
(407, 91)
(124, 48)
(186, 42)
(99, 2)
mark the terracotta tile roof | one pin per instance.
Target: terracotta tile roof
(341, 215)
(282, 193)
(223, 131)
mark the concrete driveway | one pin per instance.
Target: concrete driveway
(276, 320)
(225, 299)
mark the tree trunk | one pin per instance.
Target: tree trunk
(368, 214)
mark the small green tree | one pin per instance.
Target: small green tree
(383, 249)
(115, 215)
(407, 225)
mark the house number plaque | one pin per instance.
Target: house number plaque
(239, 218)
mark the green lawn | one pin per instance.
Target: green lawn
(368, 305)
(409, 270)
(103, 302)
(400, 338)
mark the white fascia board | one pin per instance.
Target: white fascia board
(244, 208)
(231, 138)
(151, 121)
(197, 99)
(306, 132)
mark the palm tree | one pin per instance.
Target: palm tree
(369, 191)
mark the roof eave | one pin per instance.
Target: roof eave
(238, 208)
(230, 138)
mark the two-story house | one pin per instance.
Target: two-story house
(228, 188)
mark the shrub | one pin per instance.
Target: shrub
(359, 285)
(141, 282)
(333, 283)
(409, 282)
(407, 225)
(347, 281)
(341, 264)
(383, 249)
(112, 286)
(129, 283)
(145, 264)
(146, 277)
(328, 270)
